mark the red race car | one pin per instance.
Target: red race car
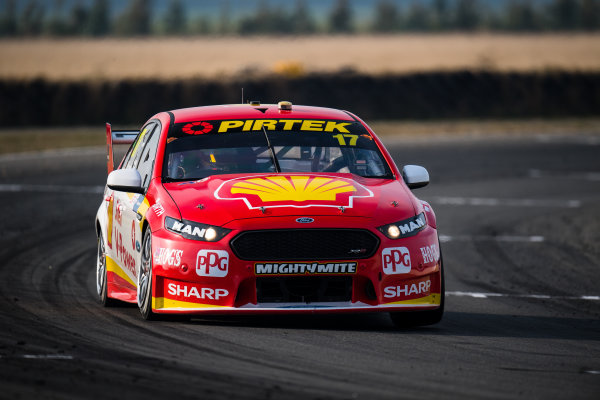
(251, 208)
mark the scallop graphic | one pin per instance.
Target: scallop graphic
(293, 188)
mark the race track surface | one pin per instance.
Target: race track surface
(520, 226)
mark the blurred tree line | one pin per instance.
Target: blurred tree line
(94, 18)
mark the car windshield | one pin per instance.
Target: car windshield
(196, 150)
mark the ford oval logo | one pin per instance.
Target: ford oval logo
(305, 220)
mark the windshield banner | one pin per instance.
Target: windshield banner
(257, 125)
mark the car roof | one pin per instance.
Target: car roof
(248, 111)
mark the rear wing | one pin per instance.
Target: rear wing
(116, 137)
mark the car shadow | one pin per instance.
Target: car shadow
(453, 324)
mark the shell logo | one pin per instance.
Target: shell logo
(292, 191)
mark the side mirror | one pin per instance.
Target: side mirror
(415, 176)
(125, 180)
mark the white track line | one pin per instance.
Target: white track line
(48, 356)
(493, 202)
(586, 176)
(588, 139)
(54, 153)
(41, 356)
(489, 238)
(67, 189)
(480, 295)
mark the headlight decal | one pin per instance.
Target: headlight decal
(405, 228)
(195, 230)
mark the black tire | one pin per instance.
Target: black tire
(144, 296)
(410, 319)
(101, 275)
(145, 279)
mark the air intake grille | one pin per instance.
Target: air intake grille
(305, 245)
(303, 289)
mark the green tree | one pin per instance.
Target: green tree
(201, 26)
(467, 15)
(265, 20)
(174, 20)
(301, 20)
(590, 15)
(521, 16)
(418, 18)
(135, 20)
(224, 25)
(564, 14)
(99, 18)
(8, 20)
(440, 14)
(387, 17)
(31, 19)
(78, 19)
(56, 24)
(340, 17)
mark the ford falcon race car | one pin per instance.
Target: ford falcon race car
(240, 209)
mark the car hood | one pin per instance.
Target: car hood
(220, 199)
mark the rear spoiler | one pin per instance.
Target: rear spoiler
(116, 137)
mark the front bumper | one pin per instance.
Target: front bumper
(196, 277)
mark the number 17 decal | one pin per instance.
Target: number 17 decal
(342, 139)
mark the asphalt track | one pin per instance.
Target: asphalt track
(520, 225)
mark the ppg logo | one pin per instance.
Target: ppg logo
(212, 263)
(395, 260)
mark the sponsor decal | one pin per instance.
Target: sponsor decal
(136, 202)
(305, 220)
(213, 263)
(139, 140)
(357, 251)
(119, 212)
(412, 225)
(311, 125)
(430, 253)
(123, 254)
(408, 227)
(158, 209)
(133, 239)
(197, 128)
(395, 260)
(304, 268)
(186, 229)
(292, 191)
(195, 230)
(170, 257)
(109, 228)
(200, 293)
(408, 290)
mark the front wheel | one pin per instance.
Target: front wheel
(144, 288)
(101, 275)
(422, 318)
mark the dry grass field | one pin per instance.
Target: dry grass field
(113, 59)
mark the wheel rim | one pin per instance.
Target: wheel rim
(145, 274)
(100, 268)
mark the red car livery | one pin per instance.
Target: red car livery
(266, 209)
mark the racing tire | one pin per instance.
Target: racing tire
(422, 318)
(144, 287)
(101, 275)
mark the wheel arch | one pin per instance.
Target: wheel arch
(98, 228)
